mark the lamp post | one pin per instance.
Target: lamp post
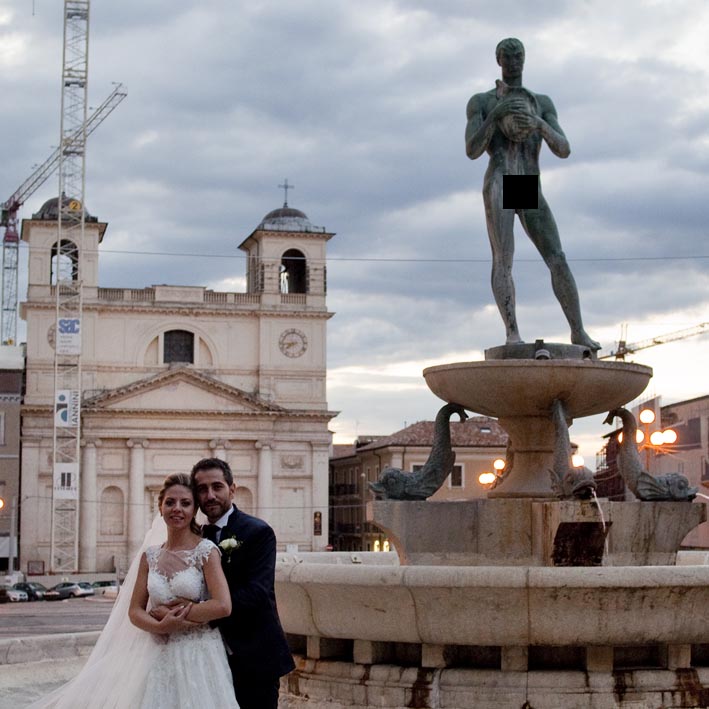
(487, 479)
(658, 442)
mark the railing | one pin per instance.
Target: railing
(211, 297)
(132, 294)
(293, 298)
(115, 295)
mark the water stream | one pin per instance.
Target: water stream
(603, 521)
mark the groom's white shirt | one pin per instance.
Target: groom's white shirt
(221, 523)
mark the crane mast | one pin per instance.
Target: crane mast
(9, 218)
(66, 276)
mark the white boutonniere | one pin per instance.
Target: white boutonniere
(229, 545)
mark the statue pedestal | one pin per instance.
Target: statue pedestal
(524, 532)
(520, 393)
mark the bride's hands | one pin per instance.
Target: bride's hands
(159, 612)
(176, 619)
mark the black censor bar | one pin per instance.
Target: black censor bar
(520, 191)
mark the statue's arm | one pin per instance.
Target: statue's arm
(551, 130)
(479, 128)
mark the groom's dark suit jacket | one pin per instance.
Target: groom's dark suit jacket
(253, 631)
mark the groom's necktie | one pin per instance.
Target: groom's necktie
(211, 531)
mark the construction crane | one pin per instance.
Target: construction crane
(11, 208)
(625, 348)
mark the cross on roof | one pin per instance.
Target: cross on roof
(285, 187)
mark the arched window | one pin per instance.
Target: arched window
(65, 262)
(294, 270)
(111, 521)
(178, 346)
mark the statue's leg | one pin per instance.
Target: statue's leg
(541, 229)
(500, 223)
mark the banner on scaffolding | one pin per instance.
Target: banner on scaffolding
(66, 408)
(66, 481)
(69, 336)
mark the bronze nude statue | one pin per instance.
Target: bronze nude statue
(510, 123)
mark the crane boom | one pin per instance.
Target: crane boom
(629, 348)
(11, 208)
(47, 168)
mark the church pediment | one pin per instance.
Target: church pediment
(181, 389)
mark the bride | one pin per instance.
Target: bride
(161, 664)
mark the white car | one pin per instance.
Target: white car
(12, 595)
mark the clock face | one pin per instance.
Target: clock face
(293, 343)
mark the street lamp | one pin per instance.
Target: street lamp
(488, 479)
(659, 441)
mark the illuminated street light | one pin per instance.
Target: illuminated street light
(669, 437)
(659, 441)
(577, 460)
(647, 416)
(2, 503)
(487, 478)
(498, 464)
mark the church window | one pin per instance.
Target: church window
(65, 262)
(294, 272)
(178, 346)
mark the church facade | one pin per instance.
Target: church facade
(172, 374)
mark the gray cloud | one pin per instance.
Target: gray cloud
(362, 107)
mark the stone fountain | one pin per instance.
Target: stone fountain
(521, 600)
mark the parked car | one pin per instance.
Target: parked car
(35, 591)
(101, 587)
(66, 589)
(8, 594)
(86, 588)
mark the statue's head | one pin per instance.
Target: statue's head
(508, 52)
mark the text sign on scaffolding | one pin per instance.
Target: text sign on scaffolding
(67, 408)
(69, 336)
(66, 477)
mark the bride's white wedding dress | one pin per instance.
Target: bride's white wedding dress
(130, 668)
(191, 669)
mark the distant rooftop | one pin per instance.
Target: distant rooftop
(477, 431)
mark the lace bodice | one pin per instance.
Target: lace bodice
(173, 574)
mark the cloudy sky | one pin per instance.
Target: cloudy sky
(361, 105)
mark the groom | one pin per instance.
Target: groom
(257, 647)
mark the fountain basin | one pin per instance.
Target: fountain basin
(513, 387)
(494, 637)
(520, 393)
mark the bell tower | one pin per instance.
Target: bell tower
(49, 260)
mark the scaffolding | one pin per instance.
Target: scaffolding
(66, 276)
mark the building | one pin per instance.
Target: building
(477, 442)
(172, 374)
(12, 363)
(688, 455)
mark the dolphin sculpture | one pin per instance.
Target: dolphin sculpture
(396, 484)
(566, 481)
(671, 486)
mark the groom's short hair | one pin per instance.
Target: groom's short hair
(210, 464)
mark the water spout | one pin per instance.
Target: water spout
(603, 521)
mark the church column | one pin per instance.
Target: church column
(31, 502)
(89, 507)
(265, 481)
(136, 495)
(320, 484)
(218, 447)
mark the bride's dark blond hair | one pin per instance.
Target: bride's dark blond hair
(184, 480)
